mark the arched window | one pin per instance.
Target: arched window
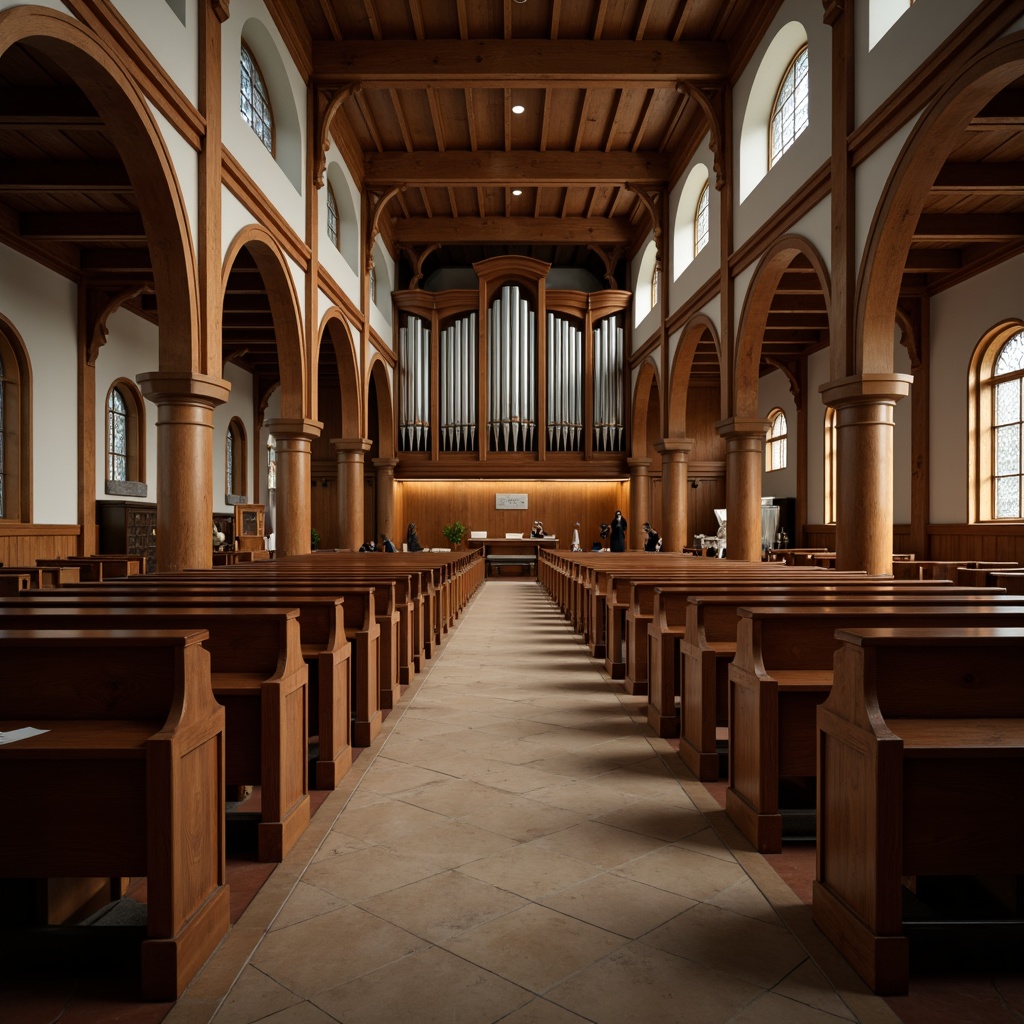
(997, 407)
(373, 284)
(646, 292)
(235, 483)
(655, 282)
(831, 461)
(332, 218)
(15, 424)
(125, 432)
(255, 100)
(775, 444)
(789, 112)
(701, 221)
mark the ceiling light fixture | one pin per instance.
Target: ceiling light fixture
(517, 191)
(519, 109)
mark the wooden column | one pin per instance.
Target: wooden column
(351, 456)
(639, 501)
(292, 518)
(864, 417)
(184, 482)
(386, 498)
(744, 460)
(673, 527)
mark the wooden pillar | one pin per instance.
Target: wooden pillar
(385, 493)
(864, 407)
(673, 527)
(184, 483)
(639, 501)
(744, 461)
(351, 456)
(292, 517)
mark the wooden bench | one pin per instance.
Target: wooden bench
(920, 771)
(127, 779)
(781, 672)
(495, 563)
(43, 577)
(258, 675)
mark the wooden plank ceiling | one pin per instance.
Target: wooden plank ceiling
(434, 83)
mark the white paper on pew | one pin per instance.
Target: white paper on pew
(20, 734)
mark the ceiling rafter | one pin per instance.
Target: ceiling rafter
(581, 122)
(403, 124)
(327, 10)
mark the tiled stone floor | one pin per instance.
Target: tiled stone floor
(517, 847)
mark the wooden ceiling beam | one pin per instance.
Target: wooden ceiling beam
(999, 178)
(933, 261)
(517, 230)
(113, 260)
(518, 167)
(531, 63)
(64, 176)
(82, 227)
(23, 108)
(969, 227)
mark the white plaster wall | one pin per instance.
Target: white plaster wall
(185, 161)
(175, 46)
(902, 49)
(239, 138)
(773, 393)
(239, 404)
(132, 347)
(959, 317)
(651, 323)
(812, 147)
(42, 307)
(382, 310)
(682, 283)
(901, 443)
(814, 457)
(344, 264)
(53, 5)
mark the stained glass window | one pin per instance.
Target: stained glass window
(701, 222)
(332, 218)
(790, 112)
(775, 446)
(117, 436)
(1008, 428)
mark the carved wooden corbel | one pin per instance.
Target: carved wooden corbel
(649, 201)
(220, 9)
(711, 100)
(377, 203)
(328, 103)
(99, 305)
(609, 259)
(791, 372)
(416, 259)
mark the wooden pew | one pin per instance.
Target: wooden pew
(706, 644)
(43, 577)
(13, 583)
(781, 672)
(257, 673)
(920, 766)
(128, 779)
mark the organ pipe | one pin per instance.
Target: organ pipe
(609, 341)
(457, 374)
(414, 405)
(511, 349)
(565, 384)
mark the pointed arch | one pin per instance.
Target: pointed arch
(777, 259)
(933, 138)
(132, 128)
(272, 264)
(379, 378)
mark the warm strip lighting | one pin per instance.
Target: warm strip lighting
(519, 109)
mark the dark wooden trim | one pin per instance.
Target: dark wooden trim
(293, 31)
(385, 351)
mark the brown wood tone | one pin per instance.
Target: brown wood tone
(137, 766)
(920, 750)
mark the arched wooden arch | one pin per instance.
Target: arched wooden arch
(378, 376)
(697, 329)
(647, 385)
(131, 127)
(776, 260)
(934, 137)
(296, 389)
(334, 331)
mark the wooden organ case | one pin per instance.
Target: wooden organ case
(513, 377)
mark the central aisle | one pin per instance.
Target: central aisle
(516, 847)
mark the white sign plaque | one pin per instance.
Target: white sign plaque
(509, 501)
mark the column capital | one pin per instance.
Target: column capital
(360, 445)
(387, 464)
(742, 426)
(284, 427)
(638, 465)
(165, 387)
(674, 447)
(865, 388)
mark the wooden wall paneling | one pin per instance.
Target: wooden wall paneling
(23, 543)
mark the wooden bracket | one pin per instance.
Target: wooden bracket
(711, 100)
(328, 103)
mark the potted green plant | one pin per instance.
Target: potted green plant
(314, 539)
(454, 532)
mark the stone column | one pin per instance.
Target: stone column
(639, 502)
(292, 525)
(184, 481)
(674, 527)
(351, 466)
(864, 406)
(385, 489)
(744, 462)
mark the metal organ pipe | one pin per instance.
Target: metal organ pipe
(511, 349)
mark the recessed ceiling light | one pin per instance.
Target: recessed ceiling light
(517, 191)
(519, 109)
